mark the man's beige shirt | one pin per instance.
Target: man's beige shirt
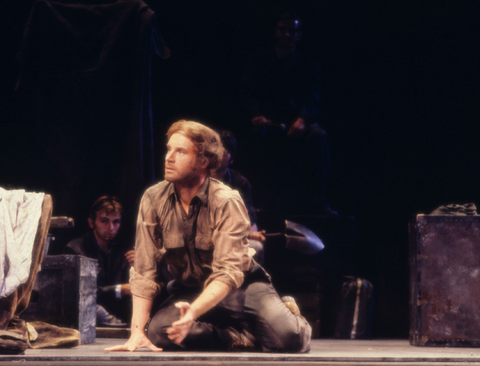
(218, 247)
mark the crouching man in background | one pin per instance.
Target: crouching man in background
(113, 290)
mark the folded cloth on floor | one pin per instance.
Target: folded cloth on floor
(21, 335)
(467, 209)
(51, 336)
(19, 216)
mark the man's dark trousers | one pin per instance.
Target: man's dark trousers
(255, 307)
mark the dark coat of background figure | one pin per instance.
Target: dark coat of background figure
(291, 170)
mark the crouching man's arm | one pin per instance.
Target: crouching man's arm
(138, 339)
(142, 277)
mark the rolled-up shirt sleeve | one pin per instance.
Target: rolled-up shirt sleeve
(148, 252)
(231, 256)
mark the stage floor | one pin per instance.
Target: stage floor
(323, 352)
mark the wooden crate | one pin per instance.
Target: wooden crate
(445, 281)
(65, 294)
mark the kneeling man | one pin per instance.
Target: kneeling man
(220, 299)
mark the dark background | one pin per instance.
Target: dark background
(400, 89)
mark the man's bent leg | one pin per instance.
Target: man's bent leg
(203, 335)
(272, 323)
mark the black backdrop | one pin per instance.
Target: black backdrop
(400, 92)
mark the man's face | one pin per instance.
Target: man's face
(180, 161)
(287, 33)
(105, 226)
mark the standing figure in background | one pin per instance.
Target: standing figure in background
(235, 180)
(113, 289)
(281, 91)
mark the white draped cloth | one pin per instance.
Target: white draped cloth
(19, 216)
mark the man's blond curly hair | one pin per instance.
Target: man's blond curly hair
(206, 141)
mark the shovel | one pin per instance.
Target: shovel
(299, 238)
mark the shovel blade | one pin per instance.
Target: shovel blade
(302, 239)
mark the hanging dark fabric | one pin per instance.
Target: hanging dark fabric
(86, 74)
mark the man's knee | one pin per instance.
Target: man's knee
(297, 336)
(157, 333)
(292, 336)
(277, 329)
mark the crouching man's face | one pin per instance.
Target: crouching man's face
(105, 227)
(180, 161)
